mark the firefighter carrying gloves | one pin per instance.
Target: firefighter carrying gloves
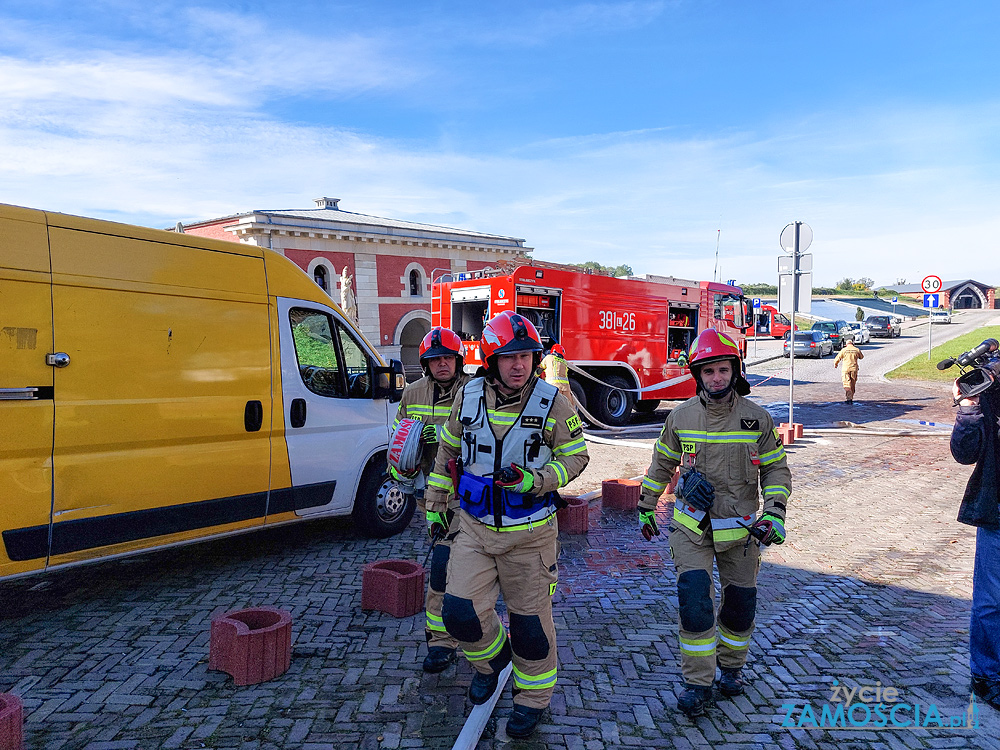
(519, 441)
(425, 406)
(729, 455)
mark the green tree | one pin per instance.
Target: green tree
(620, 270)
(846, 284)
(759, 289)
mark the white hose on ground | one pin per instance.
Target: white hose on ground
(468, 738)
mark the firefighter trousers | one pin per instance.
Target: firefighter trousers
(434, 630)
(849, 379)
(710, 638)
(522, 566)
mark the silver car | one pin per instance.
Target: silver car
(811, 343)
(859, 331)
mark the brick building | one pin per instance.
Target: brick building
(963, 294)
(392, 262)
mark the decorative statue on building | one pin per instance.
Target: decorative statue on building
(347, 301)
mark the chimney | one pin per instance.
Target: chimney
(327, 203)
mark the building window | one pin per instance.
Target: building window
(416, 284)
(322, 278)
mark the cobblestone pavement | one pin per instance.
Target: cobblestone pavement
(872, 588)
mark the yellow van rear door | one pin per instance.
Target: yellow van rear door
(163, 414)
(26, 410)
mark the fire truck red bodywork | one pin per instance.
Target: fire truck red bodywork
(626, 332)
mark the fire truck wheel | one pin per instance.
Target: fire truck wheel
(647, 406)
(578, 393)
(612, 405)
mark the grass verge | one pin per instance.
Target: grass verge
(921, 368)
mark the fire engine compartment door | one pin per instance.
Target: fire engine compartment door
(469, 311)
(542, 306)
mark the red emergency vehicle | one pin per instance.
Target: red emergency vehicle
(623, 336)
(769, 322)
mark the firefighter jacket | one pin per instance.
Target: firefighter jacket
(556, 371)
(734, 444)
(849, 355)
(428, 401)
(536, 428)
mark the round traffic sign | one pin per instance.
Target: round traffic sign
(787, 237)
(931, 284)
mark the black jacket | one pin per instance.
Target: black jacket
(974, 440)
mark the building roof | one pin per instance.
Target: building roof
(328, 216)
(946, 286)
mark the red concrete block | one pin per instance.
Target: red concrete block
(395, 587)
(622, 494)
(11, 722)
(574, 518)
(796, 426)
(786, 434)
(253, 645)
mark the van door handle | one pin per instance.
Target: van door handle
(59, 359)
(297, 415)
(253, 416)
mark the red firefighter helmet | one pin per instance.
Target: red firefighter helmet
(713, 346)
(441, 342)
(558, 349)
(507, 333)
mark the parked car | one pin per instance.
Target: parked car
(883, 326)
(859, 331)
(941, 316)
(810, 343)
(832, 328)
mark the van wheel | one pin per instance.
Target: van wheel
(613, 406)
(381, 509)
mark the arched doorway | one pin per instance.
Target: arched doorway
(409, 346)
(968, 297)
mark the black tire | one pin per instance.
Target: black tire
(613, 406)
(381, 509)
(579, 393)
(646, 405)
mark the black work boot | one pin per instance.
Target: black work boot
(731, 682)
(694, 699)
(988, 690)
(438, 659)
(482, 688)
(523, 721)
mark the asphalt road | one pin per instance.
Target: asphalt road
(881, 355)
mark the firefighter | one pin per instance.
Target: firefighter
(556, 372)
(725, 446)
(519, 441)
(442, 356)
(849, 355)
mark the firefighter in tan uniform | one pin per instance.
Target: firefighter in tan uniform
(519, 440)
(849, 355)
(728, 452)
(556, 371)
(442, 356)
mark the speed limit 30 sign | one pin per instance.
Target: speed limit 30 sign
(931, 284)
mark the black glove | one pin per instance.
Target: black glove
(696, 490)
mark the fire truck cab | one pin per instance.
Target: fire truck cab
(770, 322)
(624, 337)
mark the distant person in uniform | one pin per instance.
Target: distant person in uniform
(556, 372)
(849, 355)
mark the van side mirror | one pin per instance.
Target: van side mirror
(389, 381)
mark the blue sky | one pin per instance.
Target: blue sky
(609, 131)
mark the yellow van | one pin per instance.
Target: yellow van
(158, 388)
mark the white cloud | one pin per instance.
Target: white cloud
(166, 136)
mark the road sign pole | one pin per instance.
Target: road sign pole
(791, 336)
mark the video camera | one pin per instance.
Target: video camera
(980, 368)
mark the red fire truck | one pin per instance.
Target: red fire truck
(623, 336)
(769, 322)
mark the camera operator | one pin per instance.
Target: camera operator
(974, 439)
